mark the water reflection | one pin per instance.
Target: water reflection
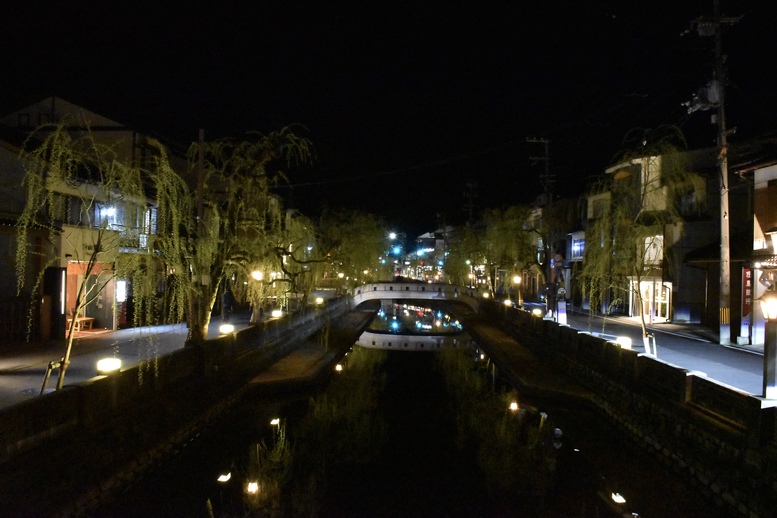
(403, 318)
(412, 327)
(327, 462)
(403, 435)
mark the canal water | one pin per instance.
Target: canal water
(398, 433)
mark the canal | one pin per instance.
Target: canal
(396, 433)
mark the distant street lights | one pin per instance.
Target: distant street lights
(768, 302)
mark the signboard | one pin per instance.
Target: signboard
(747, 291)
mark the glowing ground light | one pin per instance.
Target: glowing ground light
(618, 499)
(537, 312)
(319, 300)
(225, 329)
(225, 477)
(276, 313)
(108, 365)
(624, 342)
(514, 406)
(252, 488)
(339, 368)
(276, 421)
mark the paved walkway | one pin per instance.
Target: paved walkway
(23, 366)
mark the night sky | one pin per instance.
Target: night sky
(406, 104)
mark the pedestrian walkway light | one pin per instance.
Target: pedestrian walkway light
(225, 329)
(108, 365)
(768, 303)
(623, 341)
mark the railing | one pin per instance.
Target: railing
(414, 290)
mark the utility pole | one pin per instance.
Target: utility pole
(713, 96)
(725, 244)
(547, 179)
(470, 194)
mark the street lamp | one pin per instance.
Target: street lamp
(517, 282)
(768, 303)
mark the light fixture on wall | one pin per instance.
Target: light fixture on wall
(768, 303)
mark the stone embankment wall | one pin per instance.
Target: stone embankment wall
(135, 418)
(720, 439)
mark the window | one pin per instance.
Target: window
(107, 216)
(578, 248)
(654, 250)
(598, 205)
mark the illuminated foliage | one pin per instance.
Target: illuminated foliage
(354, 242)
(219, 220)
(93, 209)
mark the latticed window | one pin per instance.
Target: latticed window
(578, 248)
(654, 250)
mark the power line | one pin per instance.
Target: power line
(408, 169)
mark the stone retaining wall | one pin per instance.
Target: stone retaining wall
(720, 439)
(93, 402)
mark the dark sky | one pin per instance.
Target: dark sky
(405, 103)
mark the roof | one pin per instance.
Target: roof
(741, 252)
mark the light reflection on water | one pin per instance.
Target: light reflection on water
(411, 327)
(407, 318)
(395, 434)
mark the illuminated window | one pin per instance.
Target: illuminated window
(121, 291)
(654, 250)
(107, 216)
(578, 248)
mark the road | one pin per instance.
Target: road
(739, 368)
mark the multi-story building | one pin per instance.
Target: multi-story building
(84, 212)
(675, 219)
(759, 273)
(678, 277)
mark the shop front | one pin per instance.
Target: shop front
(655, 295)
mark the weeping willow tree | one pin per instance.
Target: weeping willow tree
(220, 220)
(300, 260)
(353, 244)
(509, 244)
(92, 207)
(629, 213)
(466, 250)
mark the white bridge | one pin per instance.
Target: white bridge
(414, 291)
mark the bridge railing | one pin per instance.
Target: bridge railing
(414, 290)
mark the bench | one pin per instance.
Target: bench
(81, 323)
